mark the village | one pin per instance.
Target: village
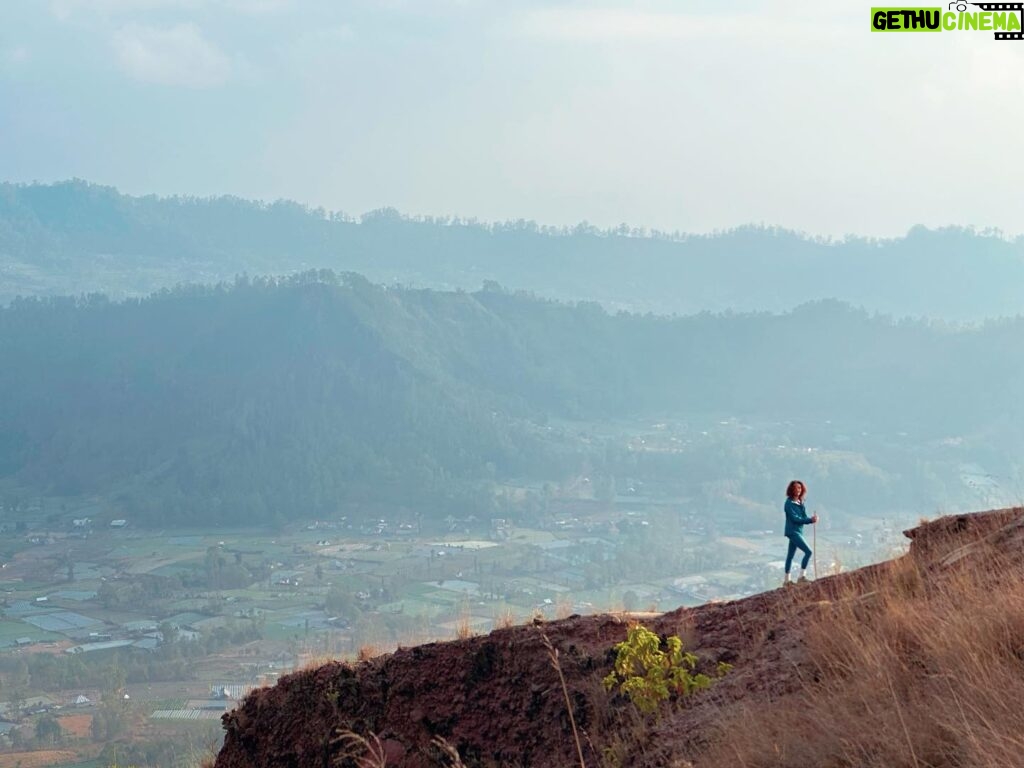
(114, 634)
(179, 625)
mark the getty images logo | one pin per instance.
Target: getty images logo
(1004, 19)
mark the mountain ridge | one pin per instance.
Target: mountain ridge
(72, 237)
(247, 400)
(497, 698)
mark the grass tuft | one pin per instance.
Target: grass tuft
(367, 652)
(916, 670)
(505, 620)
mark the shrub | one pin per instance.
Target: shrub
(648, 675)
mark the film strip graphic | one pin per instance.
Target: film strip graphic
(1019, 7)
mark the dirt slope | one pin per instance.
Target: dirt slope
(498, 700)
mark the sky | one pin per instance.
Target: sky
(679, 116)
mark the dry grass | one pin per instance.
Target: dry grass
(448, 752)
(464, 624)
(557, 666)
(563, 607)
(365, 752)
(367, 652)
(314, 661)
(918, 672)
(463, 629)
(369, 751)
(505, 620)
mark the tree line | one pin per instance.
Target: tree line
(265, 400)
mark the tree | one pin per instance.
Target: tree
(20, 676)
(16, 698)
(108, 722)
(212, 566)
(48, 730)
(341, 602)
(169, 632)
(17, 738)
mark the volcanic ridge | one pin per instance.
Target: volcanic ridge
(917, 661)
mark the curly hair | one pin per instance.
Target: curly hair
(791, 489)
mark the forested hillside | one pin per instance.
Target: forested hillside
(75, 237)
(272, 399)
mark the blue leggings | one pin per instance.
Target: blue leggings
(796, 541)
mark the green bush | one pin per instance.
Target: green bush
(648, 675)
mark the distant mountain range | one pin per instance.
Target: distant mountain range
(75, 237)
(269, 399)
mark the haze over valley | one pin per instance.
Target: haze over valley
(316, 463)
(423, 384)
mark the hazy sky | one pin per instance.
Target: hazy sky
(685, 115)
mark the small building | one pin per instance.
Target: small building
(118, 523)
(233, 691)
(140, 627)
(219, 705)
(108, 645)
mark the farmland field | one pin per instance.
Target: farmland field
(243, 607)
(40, 758)
(10, 631)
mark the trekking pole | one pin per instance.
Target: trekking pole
(815, 536)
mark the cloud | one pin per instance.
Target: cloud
(257, 7)
(611, 24)
(16, 55)
(640, 26)
(178, 55)
(65, 9)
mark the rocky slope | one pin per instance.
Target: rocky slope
(499, 701)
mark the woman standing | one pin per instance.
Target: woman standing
(796, 519)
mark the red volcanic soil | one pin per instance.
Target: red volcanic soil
(498, 700)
